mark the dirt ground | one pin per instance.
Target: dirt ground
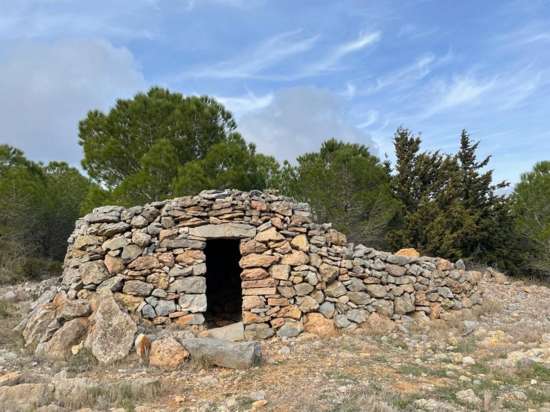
(494, 358)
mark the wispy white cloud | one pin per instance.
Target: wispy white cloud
(410, 75)
(245, 104)
(371, 118)
(459, 91)
(539, 37)
(418, 70)
(334, 57)
(277, 49)
(35, 19)
(252, 64)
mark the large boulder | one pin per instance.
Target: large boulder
(38, 324)
(112, 334)
(58, 348)
(223, 353)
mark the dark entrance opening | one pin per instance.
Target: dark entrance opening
(223, 282)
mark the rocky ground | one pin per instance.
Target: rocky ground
(495, 358)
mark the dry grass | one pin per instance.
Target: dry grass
(488, 307)
(9, 318)
(112, 394)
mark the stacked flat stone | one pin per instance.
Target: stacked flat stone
(152, 259)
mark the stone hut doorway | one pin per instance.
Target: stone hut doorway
(223, 282)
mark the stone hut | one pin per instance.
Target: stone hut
(227, 256)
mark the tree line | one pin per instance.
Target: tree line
(160, 145)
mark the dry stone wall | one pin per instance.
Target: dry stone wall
(152, 260)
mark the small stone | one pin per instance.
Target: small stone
(167, 353)
(144, 263)
(280, 272)
(233, 332)
(191, 256)
(408, 252)
(137, 288)
(319, 325)
(290, 311)
(290, 329)
(308, 304)
(404, 304)
(141, 238)
(93, 272)
(379, 324)
(358, 315)
(254, 274)
(269, 235)
(359, 298)
(165, 307)
(327, 309)
(199, 269)
(191, 284)
(468, 361)
(111, 229)
(395, 270)
(335, 290)
(258, 331)
(193, 303)
(328, 273)
(296, 258)
(303, 289)
(468, 396)
(252, 246)
(130, 252)
(341, 321)
(256, 260)
(377, 291)
(148, 312)
(190, 319)
(300, 242)
(115, 243)
(114, 264)
(139, 221)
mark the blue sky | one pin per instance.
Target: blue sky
(293, 72)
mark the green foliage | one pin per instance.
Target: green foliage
(229, 164)
(134, 151)
(38, 207)
(531, 205)
(449, 205)
(345, 185)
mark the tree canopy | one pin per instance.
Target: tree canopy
(449, 204)
(38, 207)
(154, 132)
(347, 186)
(161, 144)
(531, 206)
